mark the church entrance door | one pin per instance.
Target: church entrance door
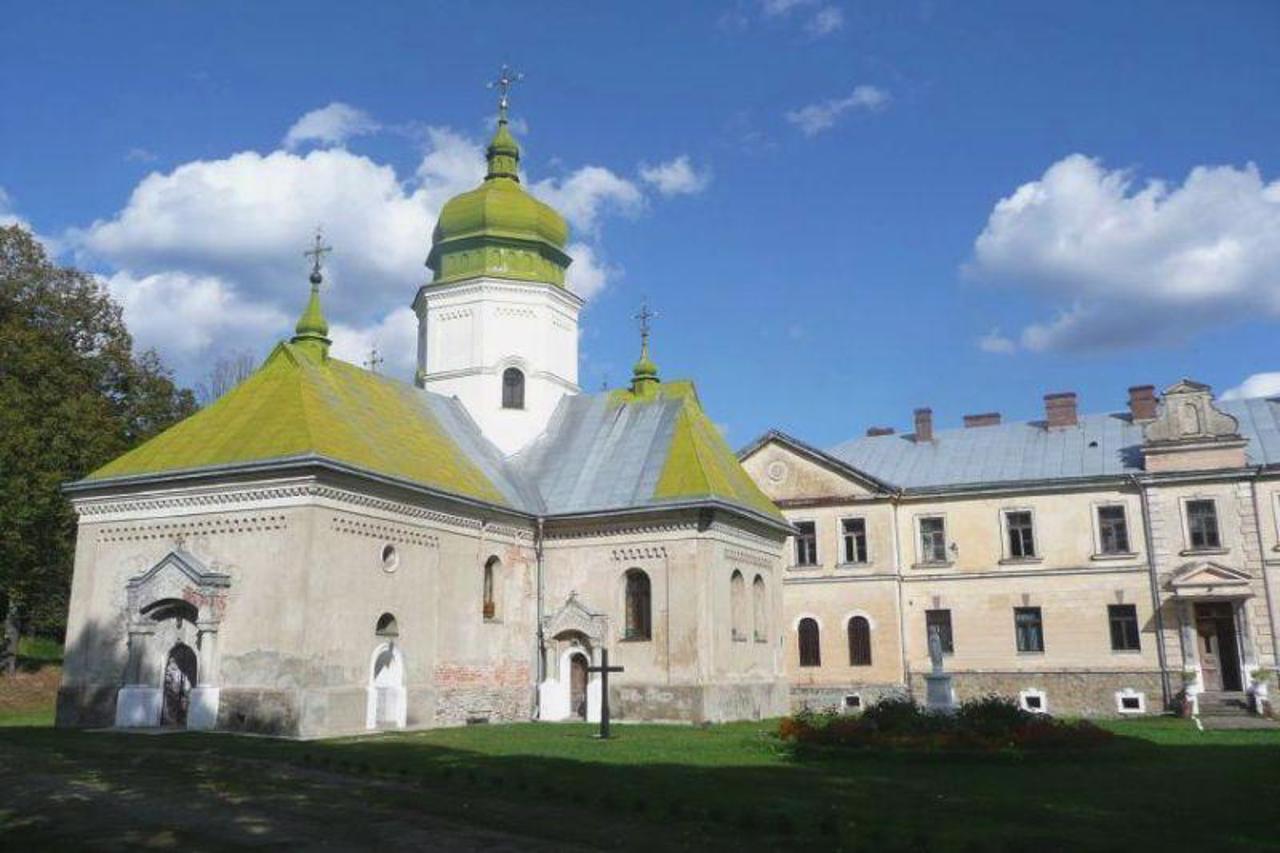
(179, 677)
(578, 686)
(1216, 635)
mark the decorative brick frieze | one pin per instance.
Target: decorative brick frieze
(174, 530)
(373, 529)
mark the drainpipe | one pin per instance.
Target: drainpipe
(895, 503)
(1155, 589)
(1262, 566)
(540, 650)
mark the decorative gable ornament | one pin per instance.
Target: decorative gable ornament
(1210, 580)
(574, 616)
(1190, 433)
(180, 576)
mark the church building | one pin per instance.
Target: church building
(326, 550)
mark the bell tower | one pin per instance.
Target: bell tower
(497, 328)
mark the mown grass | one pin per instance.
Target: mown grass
(738, 783)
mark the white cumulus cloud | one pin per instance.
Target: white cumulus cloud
(815, 118)
(330, 125)
(588, 193)
(676, 177)
(1257, 385)
(395, 337)
(1131, 265)
(588, 274)
(994, 342)
(825, 21)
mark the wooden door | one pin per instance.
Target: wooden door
(1209, 649)
(179, 676)
(578, 686)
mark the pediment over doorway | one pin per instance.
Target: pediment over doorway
(179, 576)
(575, 616)
(1209, 579)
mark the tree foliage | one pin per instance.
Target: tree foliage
(73, 395)
(227, 372)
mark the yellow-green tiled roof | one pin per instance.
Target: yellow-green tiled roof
(298, 405)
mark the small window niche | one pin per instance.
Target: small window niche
(852, 704)
(1033, 700)
(390, 558)
(1130, 701)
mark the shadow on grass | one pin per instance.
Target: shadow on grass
(670, 787)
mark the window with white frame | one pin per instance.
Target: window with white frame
(1202, 524)
(1113, 530)
(1033, 700)
(855, 539)
(806, 543)
(1019, 530)
(933, 539)
(1130, 701)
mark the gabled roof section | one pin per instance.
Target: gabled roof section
(299, 407)
(1210, 578)
(821, 457)
(622, 450)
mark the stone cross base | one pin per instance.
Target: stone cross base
(938, 694)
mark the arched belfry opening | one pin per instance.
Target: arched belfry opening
(386, 696)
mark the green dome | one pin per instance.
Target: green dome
(498, 229)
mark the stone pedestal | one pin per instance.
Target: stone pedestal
(138, 706)
(938, 695)
(202, 708)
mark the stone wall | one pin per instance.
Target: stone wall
(1068, 694)
(468, 693)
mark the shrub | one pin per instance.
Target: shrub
(992, 716)
(895, 715)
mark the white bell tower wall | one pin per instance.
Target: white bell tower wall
(471, 332)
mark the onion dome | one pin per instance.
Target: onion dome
(498, 229)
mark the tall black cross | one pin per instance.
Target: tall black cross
(604, 669)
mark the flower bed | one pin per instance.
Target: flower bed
(988, 723)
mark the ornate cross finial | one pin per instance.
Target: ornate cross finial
(645, 317)
(317, 253)
(374, 361)
(507, 77)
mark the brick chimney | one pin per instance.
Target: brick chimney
(1142, 402)
(984, 419)
(1060, 409)
(874, 431)
(924, 424)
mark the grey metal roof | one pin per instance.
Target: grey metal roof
(1099, 445)
(596, 457)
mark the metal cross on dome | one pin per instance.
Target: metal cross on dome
(645, 317)
(507, 78)
(375, 360)
(317, 253)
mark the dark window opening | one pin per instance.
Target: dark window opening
(806, 544)
(855, 540)
(638, 625)
(933, 540)
(859, 641)
(512, 389)
(1029, 628)
(1022, 542)
(1113, 530)
(938, 623)
(1202, 524)
(1124, 627)
(810, 650)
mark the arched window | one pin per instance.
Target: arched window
(760, 612)
(512, 388)
(859, 641)
(490, 607)
(387, 626)
(738, 605)
(810, 649)
(638, 625)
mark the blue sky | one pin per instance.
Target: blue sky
(821, 198)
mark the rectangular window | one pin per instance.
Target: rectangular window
(806, 544)
(1113, 530)
(855, 540)
(1124, 627)
(1029, 628)
(1022, 541)
(1202, 524)
(938, 623)
(933, 540)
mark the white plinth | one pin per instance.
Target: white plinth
(138, 707)
(202, 710)
(938, 695)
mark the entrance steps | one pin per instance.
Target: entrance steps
(1223, 704)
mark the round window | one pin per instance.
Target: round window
(390, 558)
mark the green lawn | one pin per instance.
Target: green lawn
(736, 785)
